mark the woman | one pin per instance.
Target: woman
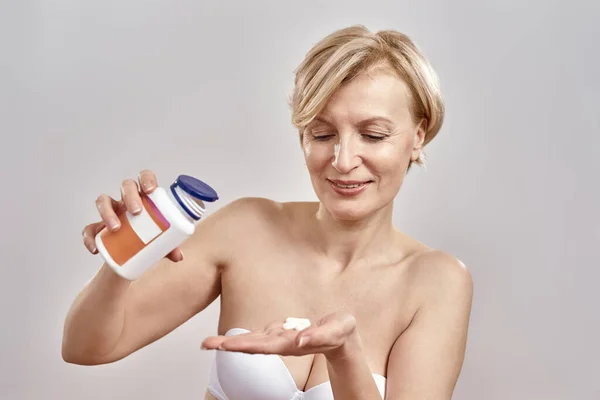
(389, 315)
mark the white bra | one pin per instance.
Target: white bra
(242, 376)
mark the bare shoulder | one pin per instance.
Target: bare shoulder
(224, 232)
(240, 219)
(442, 276)
(436, 264)
(247, 210)
(253, 204)
(261, 210)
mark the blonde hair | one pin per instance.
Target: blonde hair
(349, 52)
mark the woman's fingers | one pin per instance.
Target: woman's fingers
(147, 180)
(89, 234)
(175, 255)
(106, 206)
(130, 195)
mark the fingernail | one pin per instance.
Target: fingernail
(114, 223)
(181, 257)
(303, 340)
(148, 186)
(137, 208)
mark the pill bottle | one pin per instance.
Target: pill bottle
(168, 218)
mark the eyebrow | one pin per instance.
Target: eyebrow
(375, 119)
(363, 122)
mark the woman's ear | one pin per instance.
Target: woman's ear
(419, 140)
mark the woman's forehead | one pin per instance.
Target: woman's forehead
(368, 98)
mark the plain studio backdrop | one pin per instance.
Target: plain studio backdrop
(92, 92)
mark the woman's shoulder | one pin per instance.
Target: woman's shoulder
(430, 265)
(252, 206)
(248, 205)
(252, 212)
(438, 271)
(438, 262)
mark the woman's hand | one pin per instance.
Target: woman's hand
(111, 210)
(326, 336)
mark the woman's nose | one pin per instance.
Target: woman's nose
(345, 156)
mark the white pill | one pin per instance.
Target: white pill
(298, 324)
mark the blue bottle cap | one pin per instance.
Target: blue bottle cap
(197, 188)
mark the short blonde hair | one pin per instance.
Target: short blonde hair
(348, 52)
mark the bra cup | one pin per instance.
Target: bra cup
(253, 376)
(237, 376)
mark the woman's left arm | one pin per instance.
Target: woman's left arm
(426, 360)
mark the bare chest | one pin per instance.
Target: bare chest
(268, 287)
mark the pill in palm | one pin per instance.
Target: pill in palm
(298, 324)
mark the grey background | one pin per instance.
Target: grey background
(91, 92)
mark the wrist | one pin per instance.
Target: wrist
(109, 277)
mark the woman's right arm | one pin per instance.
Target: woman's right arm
(112, 317)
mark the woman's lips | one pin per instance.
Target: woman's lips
(349, 188)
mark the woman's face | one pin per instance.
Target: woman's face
(358, 149)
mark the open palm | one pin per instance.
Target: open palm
(326, 335)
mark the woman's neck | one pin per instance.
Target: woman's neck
(347, 242)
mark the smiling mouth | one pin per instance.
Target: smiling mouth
(348, 186)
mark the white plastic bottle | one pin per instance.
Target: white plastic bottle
(168, 218)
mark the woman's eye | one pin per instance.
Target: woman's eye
(374, 137)
(322, 137)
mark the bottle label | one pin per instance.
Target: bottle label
(135, 233)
